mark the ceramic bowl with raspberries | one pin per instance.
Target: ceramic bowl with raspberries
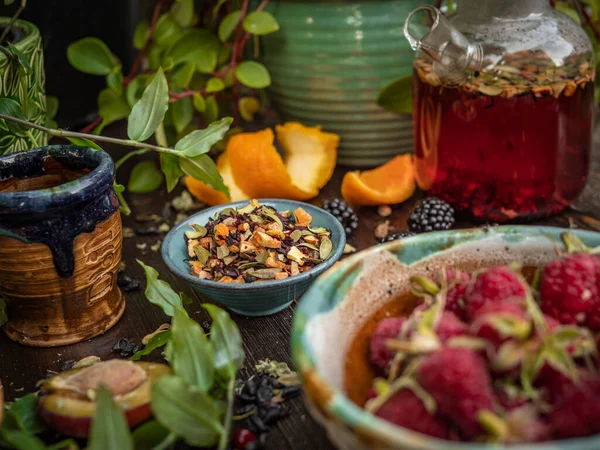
(478, 339)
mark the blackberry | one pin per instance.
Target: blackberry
(394, 236)
(342, 212)
(431, 215)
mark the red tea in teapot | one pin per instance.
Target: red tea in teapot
(511, 142)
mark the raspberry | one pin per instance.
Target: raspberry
(499, 322)
(458, 284)
(450, 326)
(578, 414)
(458, 380)
(405, 409)
(493, 286)
(242, 437)
(380, 355)
(569, 290)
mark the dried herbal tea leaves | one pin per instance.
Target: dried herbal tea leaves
(520, 73)
(256, 243)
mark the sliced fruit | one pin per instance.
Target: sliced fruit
(210, 196)
(67, 401)
(393, 182)
(305, 147)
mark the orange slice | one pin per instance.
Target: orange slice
(393, 182)
(212, 197)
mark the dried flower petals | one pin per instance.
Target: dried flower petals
(256, 243)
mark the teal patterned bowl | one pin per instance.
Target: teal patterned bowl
(342, 300)
(328, 62)
(253, 299)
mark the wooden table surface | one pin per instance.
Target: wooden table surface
(264, 337)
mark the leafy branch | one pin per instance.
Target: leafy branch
(200, 55)
(188, 156)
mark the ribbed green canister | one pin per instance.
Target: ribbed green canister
(328, 62)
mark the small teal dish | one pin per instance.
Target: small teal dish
(343, 299)
(252, 299)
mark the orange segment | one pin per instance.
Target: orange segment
(212, 197)
(393, 182)
(307, 147)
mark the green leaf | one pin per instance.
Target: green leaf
(124, 207)
(8, 2)
(253, 74)
(199, 46)
(248, 106)
(227, 342)
(183, 12)
(169, 164)
(109, 429)
(141, 35)
(23, 415)
(260, 23)
(150, 435)
(214, 85)
(204, 169)
(191, 353)
(166, 30)
(3, 314)
(83, 142)
(183, 112)
(114, 80)
(201, 141)
(187, 411)
(211, 112)
(199, 103)
(224, 55)
(157, 341)
(183, 74)
(397, 96)
(51, 106)
(10, 107)
(145, 177)
(22, 440)
(112, 107)
(136, 88)
(20, 57)
(154, 54)
(91, 55)
(229, 24)
(218, 6)
(160, 292)
(149, 111)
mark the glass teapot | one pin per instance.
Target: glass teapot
(503, 107)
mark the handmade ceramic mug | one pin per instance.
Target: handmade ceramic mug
(60, 245)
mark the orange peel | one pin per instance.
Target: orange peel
(252, 168)
(393, 182)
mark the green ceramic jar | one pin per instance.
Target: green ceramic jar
(31, 91)
(328, 62)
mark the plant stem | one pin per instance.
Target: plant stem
(91, 125)
(12, 21)
(227, 425)
(121, 161)
(161, 136)
(140, 56)
(167, 442)
(92, 137)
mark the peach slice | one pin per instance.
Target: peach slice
(67, 401)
